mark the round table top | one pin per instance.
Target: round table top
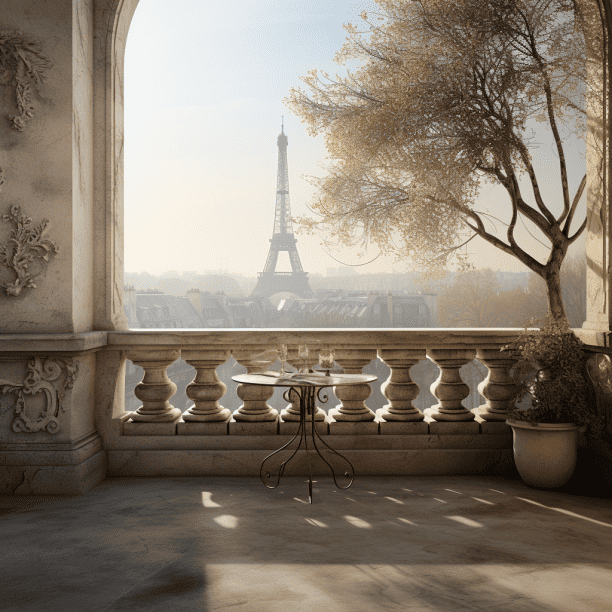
(305, 379)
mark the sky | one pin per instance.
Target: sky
(204, 89)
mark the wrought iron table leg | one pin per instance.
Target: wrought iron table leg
(307, 407)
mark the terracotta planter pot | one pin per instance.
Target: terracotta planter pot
(544, 454)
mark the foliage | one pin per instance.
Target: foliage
(473, 300)
(551, 371)
(477, 298)
(439, 105)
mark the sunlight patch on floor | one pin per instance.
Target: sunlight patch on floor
(357, 522)
(226, 520)
(465, 521)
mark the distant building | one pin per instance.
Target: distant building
(252, 312)
(218, 310)
(212, 308)
(342, 271)
(155, 310)
(359, 309)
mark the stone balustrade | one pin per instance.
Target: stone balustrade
(256, 350)
(381, 433)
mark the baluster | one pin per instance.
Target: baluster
(156, 388)
(399, 388)
(255, 397)
(292, 411)
(206, 389)
(449, 389)
(353, 397)
(498, 388)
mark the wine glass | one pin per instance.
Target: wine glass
(282, 356)
(326, 359)
(303, 355)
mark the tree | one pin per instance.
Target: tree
(476, 299)
(522, 305)
(439, 106)
(471, 301)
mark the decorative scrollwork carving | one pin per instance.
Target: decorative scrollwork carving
(27, 242)
(40, 378)
(22, 66)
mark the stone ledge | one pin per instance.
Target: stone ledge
(355, 428)
(365, 462)
(452, 427)
(51, 454)
(495, 427)
(137, 428)
(349, 338)
(54, 479)
(291, 427)
(52, 343)
(337, 442)
(361, 429)
(253, 428)
(402, 428)
(202, 428)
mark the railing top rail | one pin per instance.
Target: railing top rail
(338, 338)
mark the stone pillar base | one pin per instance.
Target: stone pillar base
(25, 475)
(486, 415)
(458, 415)
(288, 416)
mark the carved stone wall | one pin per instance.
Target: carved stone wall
(22, 68)
(46, 398)
(41, 377)
(46, 152)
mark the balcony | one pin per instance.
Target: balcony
(390, 437)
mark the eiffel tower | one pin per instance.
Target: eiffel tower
(270, 281)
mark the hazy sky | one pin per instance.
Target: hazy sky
(204, 84)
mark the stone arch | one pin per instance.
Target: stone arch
(113, 18)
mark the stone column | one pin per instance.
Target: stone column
(353, 408)
(498, 388)
(399, 388)
(449, 389)
(598, 162)
(292, 411)
(206, 389)
(255, 397)
(156, 388)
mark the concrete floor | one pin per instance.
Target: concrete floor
(412, 543)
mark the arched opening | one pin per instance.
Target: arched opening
(596, 16)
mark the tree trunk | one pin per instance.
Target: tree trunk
(556, 307)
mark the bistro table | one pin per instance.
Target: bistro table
(307, 386)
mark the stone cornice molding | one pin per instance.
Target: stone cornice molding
(12, 344)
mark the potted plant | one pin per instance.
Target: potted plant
(557, 399)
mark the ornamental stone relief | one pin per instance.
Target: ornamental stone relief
(42, 376)
(23, 67)
(28, 242)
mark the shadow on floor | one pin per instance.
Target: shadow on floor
(443, 543)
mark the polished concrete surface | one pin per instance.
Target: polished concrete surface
(450, 543)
